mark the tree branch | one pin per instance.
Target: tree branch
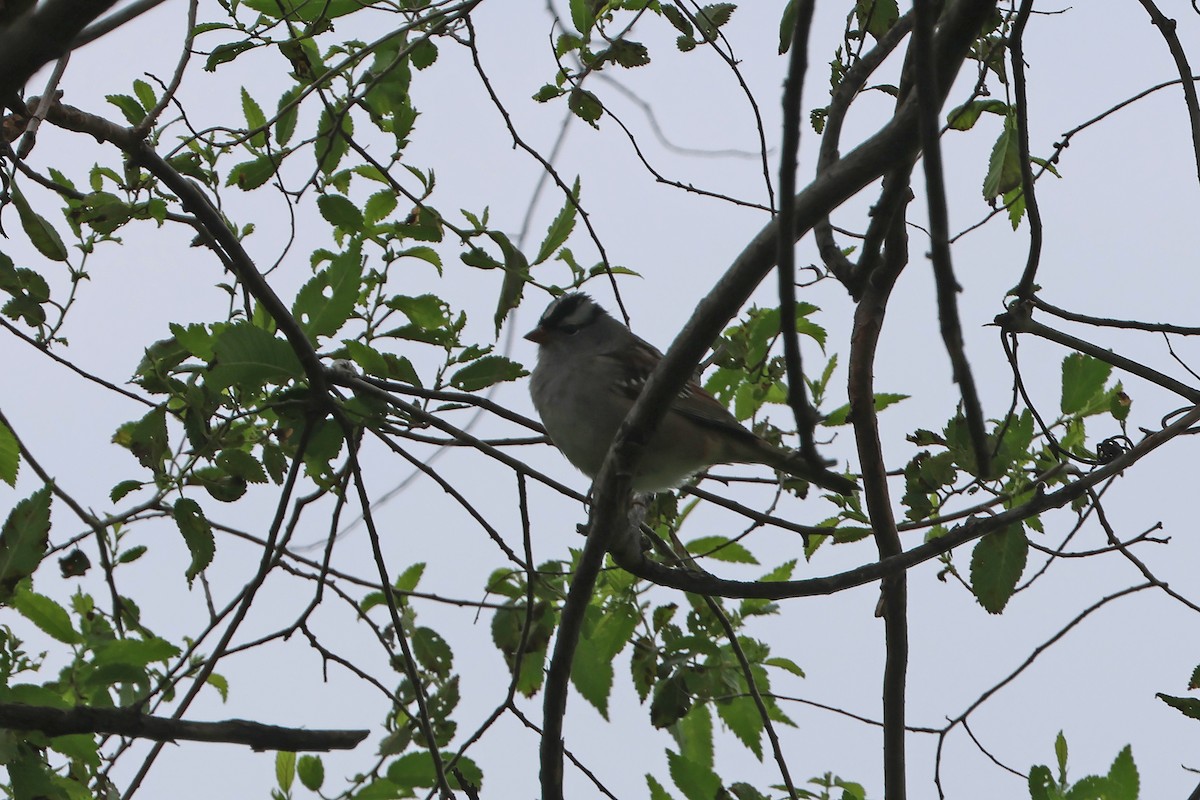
(130, 723)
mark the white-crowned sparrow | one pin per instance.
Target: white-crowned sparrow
(591, 369)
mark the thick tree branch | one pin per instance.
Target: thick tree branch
(1016, 47)
(929, 97)
(969, 531)
(130, 723)
(41, 36)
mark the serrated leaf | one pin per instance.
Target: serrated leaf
(696, 781)
(326, 302)
(139, 652)
(742, 717)
(996, 565)
(379, 206)
(585, 105)
(250, 175)
(876, 17)
(694, 735)
(338, 210)
(131, 108)
(197, 534)
(145, 94)
(1188, 706)
(122, 489)
(224, 53)
(23, 540)
(311, 771)
(432, 652)
(582, 15)
(51, 618)
(484, 372)
(10, 456)
(1004, 166)
(285, 123)
(516, 275)
(722, 549)
(256, 120)
(249, 357)
(1083, 379)
(1123, 777)
(241, 464)
(560, 229)
(1041, 784)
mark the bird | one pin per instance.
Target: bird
(590, 370)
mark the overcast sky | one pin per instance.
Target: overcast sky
(1120, 241)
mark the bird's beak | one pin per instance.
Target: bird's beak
(537, 335)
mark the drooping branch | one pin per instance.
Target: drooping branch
(1028, 196)
(130, 723)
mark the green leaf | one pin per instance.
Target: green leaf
(964, 117)
(197, 534)
(606, 634)
(996, 565)
(1041, 784)
(742, 717)
(1004, 167)
(285, 124)
(139, 652)
(710, 18)
(224, 53)
(10, 456)
(722, 549)
(1060, 754)
(311, 771)
(694, 736)
(48, 615)
(560, 229)
(657, 792)
(415, 770)
(131, 108)
(241, 464)
(23, 540)
(379, 206)
(338, 210)
(256, 120)
(145, 94)
(787, 27)
(326, 302)
(40, 232)
(304, 10)
(432, 652)
(841, 414)
(484, 372)
(876, 17)
(582, 15)
(1188, 706)
(785, 664)
(250, 175)
(285, 770)
(146, 438)
(1123, 777)
(696, 781)
(368, 358)
(248, 357)
(585, 105)
(407, 580)
(122, 489)
(1083, 379)
(423, 53)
